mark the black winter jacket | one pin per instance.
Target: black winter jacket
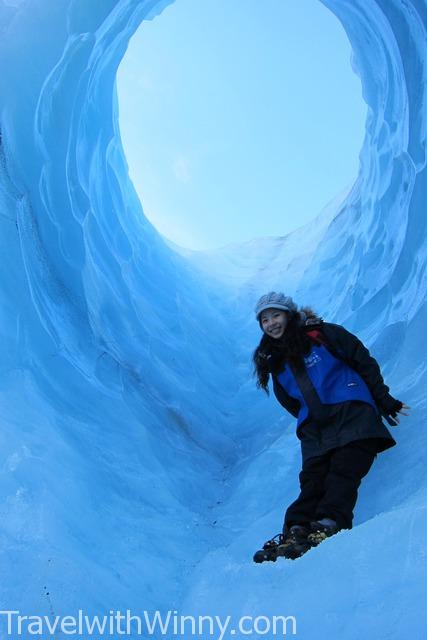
(342, 423)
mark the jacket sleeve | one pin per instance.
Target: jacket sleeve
(290, 404)
(357, 356)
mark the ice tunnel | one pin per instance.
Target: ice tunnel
(140, 467)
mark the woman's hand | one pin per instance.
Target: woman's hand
(404, 411)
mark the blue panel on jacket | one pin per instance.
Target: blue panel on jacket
(334, 380)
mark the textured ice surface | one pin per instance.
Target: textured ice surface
(139, 466)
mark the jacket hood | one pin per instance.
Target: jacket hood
(309, 317)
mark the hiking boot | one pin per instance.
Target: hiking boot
(294, 542)
(270, 550)
(290, 545)
(320, 531)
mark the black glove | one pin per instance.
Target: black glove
(392, 411)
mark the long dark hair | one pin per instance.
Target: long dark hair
(271, 355)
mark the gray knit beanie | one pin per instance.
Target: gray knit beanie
(274, 300)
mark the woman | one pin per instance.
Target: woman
(325, 377)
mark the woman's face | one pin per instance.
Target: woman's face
(273, 322)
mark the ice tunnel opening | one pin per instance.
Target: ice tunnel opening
(272, 120)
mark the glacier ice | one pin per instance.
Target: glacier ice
(140, 467)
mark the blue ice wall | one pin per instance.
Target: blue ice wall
(131, 429)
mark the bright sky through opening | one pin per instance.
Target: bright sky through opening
(239, 123)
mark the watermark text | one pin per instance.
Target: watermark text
(168, 623)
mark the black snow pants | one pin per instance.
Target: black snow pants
(329, 484)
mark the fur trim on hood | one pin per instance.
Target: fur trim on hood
(309, 317)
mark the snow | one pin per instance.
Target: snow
(140, 467)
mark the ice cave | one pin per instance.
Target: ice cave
(140, 466)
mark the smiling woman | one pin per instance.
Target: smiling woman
(139, 465)
(241, 127)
